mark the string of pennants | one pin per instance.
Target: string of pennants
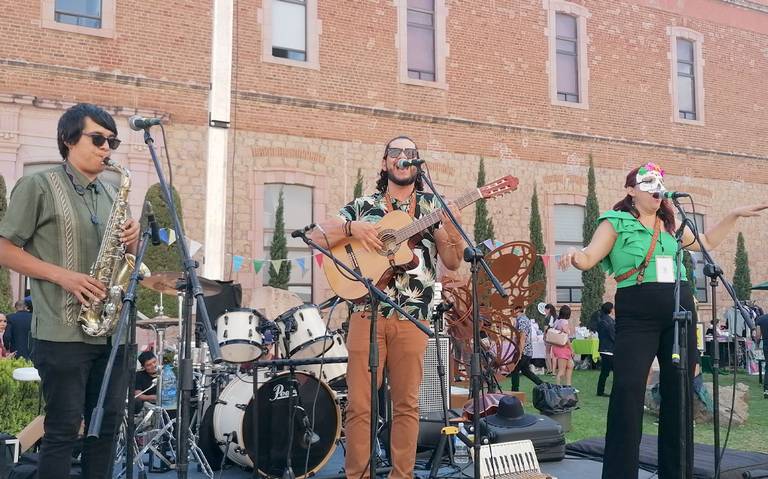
(168, 236)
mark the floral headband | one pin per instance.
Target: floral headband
(648, 167)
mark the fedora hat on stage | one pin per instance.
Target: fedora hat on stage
(510, 413)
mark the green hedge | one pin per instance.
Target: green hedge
(18, 399)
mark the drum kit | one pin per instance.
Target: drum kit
(287, 357)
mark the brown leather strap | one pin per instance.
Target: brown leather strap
(644, 264)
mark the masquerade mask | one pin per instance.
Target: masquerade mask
(650, 178)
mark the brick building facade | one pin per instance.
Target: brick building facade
(493, 92)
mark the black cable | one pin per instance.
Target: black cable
(167, 160)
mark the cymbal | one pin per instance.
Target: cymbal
(157, 322)
(166, 282)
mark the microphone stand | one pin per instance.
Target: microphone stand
(473, 256)
(682, 319)
(192, 289)
(127, 317)
(714, 272)
(377, 296)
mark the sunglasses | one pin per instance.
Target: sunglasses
(98, 140)
(410, 153)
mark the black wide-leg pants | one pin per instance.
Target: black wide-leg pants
(644, 330)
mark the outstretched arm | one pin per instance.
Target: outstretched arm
(594, 252)
(716, 234)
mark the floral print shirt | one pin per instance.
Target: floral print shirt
(412, 290)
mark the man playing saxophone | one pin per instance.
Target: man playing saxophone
(51, 234)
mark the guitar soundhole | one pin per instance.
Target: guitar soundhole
(390, 246)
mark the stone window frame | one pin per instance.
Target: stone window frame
(698, 46)
(282, 175)
(441, 46)
(552, 8)
(548, 201)
(108, 15)
(314, 30)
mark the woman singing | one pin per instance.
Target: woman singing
(635, 242)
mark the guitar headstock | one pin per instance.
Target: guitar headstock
(502, 186)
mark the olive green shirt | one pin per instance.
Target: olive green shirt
(632, 244)
(50, 220)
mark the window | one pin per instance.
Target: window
(567, 65)
(686, 80)
(567, 58)
(290, 32)
(421, 39)
(569, 221)
(84, 13)
(687, 75)
(421, 42)
(88, 17)
(297, 206)
(289, 29)
(700, 281)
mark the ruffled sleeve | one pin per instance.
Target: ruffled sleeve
(631, 241)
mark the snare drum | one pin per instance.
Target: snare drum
(309, 337)
(335, 374)
(232, 421)
(238, 334)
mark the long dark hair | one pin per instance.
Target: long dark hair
(665, 212)
(565, 312)
(381, 183)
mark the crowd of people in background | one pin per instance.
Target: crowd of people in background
(15, 331)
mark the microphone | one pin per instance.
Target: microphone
(301, 232)
(153, 226)
(407, 163)
(138, 123)
(673, 195)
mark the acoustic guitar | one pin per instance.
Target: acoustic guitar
(396, 232)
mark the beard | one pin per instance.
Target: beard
(401, 181)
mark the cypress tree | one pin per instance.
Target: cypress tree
(741, 280)
(162, 257)
(483, 224)
(278, 249)
(592, 279)
(358, 191)
(538, 272)
(689, 270)
(6, 293)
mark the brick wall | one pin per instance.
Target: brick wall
(317, 127)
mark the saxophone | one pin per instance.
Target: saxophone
(113, 266)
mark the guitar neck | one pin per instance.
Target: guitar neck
(425, 222)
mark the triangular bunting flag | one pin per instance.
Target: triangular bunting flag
(171, 237)
(498, 243)
(319, 259)
(237, 262)
(302, 265)
(545, 259)
(194, 246)
(488, 244)
(163, 233)
(257, 264)
(276, 265)
(517, 251)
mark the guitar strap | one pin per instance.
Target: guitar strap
(389, 206)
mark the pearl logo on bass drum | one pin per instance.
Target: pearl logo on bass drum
(279, 392)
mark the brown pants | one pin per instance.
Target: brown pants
(401, 348)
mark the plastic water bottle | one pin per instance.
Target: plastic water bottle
(460, 450)
(168, 400)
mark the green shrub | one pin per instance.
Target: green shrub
(18, 399)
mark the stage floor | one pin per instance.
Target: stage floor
(569, 468)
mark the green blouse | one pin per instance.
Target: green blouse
(631, 246)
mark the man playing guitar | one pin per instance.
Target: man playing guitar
(401, 345)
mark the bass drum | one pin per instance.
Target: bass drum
(232, 418)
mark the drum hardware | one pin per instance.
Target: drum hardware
(171, 282)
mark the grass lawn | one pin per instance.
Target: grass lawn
(589, 420)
